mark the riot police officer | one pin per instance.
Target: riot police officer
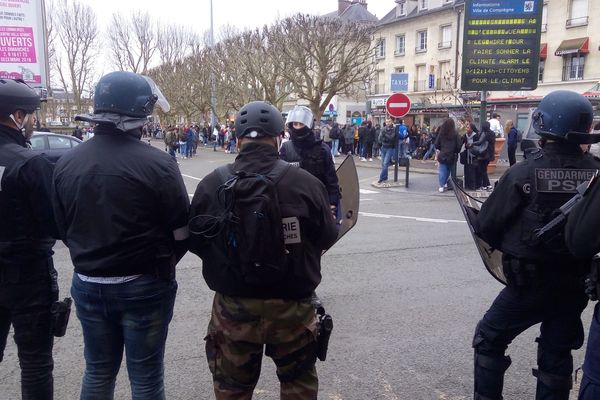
(583, 240)
(304, 150)
(273, 316)
(544, 281)
(121, 208)
(27, 230)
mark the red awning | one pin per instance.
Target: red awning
(573, 46)
(543, 51)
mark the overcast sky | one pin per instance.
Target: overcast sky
(239, 13)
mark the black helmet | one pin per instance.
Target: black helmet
(564, 115)
(258, 118)
(127, 93)
(15, 95)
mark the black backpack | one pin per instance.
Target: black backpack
(253, 227)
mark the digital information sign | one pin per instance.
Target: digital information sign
(501, 44)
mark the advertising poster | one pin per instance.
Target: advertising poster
(22, 44)
(501, 47)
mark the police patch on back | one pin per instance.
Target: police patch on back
(561, 180)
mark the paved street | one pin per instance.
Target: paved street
(405, 288)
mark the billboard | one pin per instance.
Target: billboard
(501, 45)
(22, 41)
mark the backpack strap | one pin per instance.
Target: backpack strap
(224, 172)
(279, 170)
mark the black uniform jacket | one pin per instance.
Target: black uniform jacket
(527, 197)
(27, 227)
(582, 232)
(117, 202)
(300, 195)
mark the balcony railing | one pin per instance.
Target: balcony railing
(580, 21)
(399, 52)
(572, 73)
(420, 86)
(445, 45)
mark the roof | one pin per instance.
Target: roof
(354, 12)
(391, 17)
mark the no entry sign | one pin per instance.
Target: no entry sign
(398, 105)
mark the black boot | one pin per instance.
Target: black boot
(552, 387)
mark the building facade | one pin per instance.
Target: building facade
(420, 41)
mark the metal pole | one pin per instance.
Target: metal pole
(483, 108)
(213, 83)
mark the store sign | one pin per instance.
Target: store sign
(377, 103)
(22, 46)
(431, 82)
(399, 82)
(501, 47)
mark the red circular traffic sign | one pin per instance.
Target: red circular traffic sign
(398, 105)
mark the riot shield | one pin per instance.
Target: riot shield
(492, 258)
(349, 188)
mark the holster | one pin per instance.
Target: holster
(325, 326)
(519, 273)
(60, 312)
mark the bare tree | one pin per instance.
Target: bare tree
(175, 42)
(328, 56)
(76, 48)
(133, 41)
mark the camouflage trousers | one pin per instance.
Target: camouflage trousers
(239, 330)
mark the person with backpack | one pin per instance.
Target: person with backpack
(263, 270)
(306, 152)
(389, 140)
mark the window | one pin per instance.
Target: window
(400, 45)
(421, 78)
(37, 143)
(399, 69)
(57, 142)
(421, 41)
(380, 49)
(578, 13)
(445, 37)
(400, 9)
(541, 71)
(545, 18)
(573, 67)
(423, 4)
(446, 78)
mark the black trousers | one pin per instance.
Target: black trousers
(555, 301)
(512, 150)
(26, 306)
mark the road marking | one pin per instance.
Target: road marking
(420, 219)
(191, 177)
(366, 191)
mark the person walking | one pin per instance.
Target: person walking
(487, 155)
(28, 232)
(512, 134)
(122, 210)
(252, 314)
(544, 282)
(448, 145)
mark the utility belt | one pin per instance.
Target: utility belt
(521, 272)
(30, 271)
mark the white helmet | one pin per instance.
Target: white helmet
(300, 114)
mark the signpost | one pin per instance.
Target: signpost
(398, 105)
(501, 46)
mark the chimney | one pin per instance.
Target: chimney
(342, 5)
(362, 3)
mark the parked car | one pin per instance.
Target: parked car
(53, 145)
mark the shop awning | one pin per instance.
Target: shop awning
(573, 46)
(543, 51)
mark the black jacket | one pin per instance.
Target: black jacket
(315, 157)
(117, 203)
(300, 195)
(527, 197)
(27, 227)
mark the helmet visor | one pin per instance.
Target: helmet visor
(300, 114)
(161, 100)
